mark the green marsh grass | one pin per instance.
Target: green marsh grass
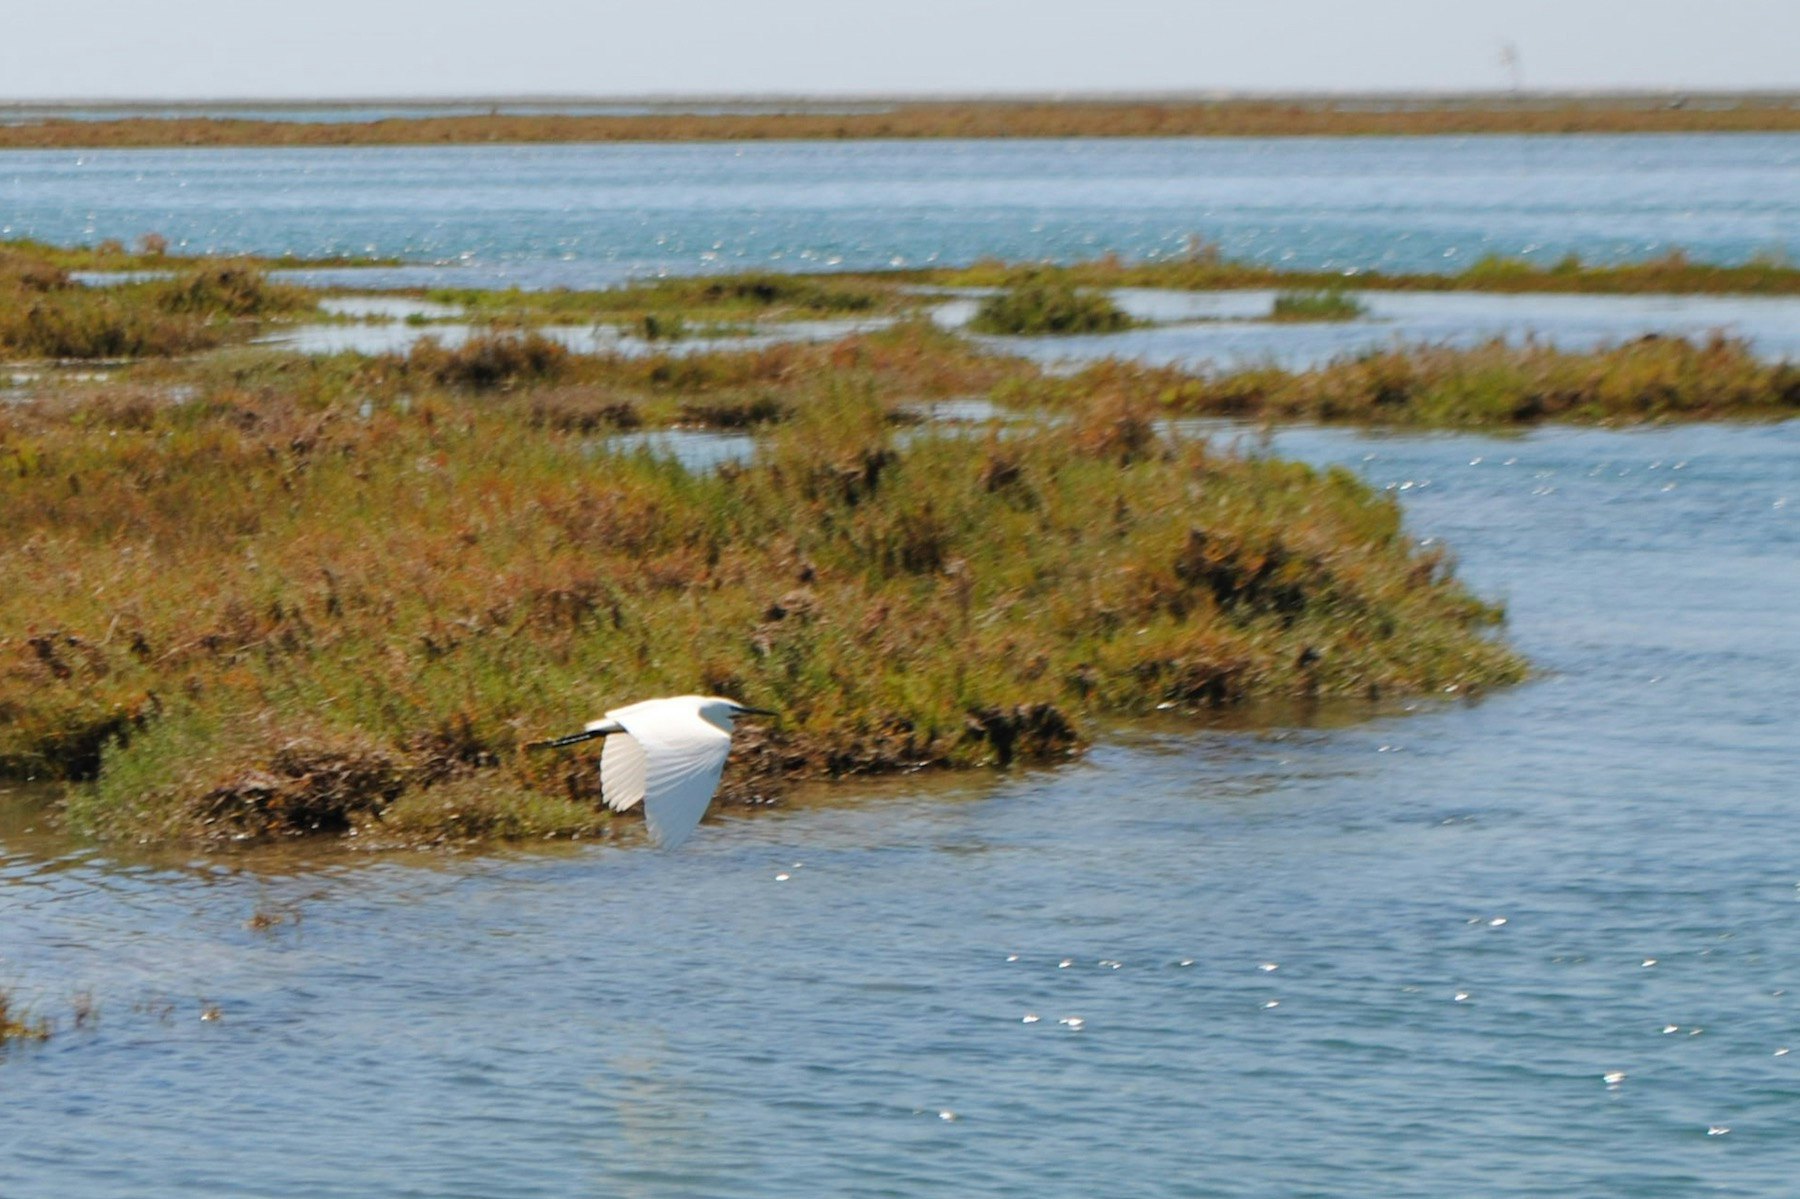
(266, 610)
(1046, 303)
(1205, 268)
(655, 306)
(1492, 385)
(909, 363)
(1326, 304)
(255, 594)
(46, 314)
(153, 254)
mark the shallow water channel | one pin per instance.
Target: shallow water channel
(1226, 330)
(1539, 943)
(1213, 330)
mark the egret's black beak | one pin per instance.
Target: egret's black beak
(571, 739)
(744, 711)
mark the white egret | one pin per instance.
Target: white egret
(668, 753)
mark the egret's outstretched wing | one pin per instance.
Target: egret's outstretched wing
(622, 771)
(683, 759)
(678, 793)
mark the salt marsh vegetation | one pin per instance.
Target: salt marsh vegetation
(308, 599)
(257, 594)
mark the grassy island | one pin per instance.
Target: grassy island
(1205, 268)
(44, 313)
(693, 300)
(152, 252)
(325, 599)
(1326, 304)
(766, 295)
(1498, 384)
(1048, 304)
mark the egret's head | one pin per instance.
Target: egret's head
(721, 713)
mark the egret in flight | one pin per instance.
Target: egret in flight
(668, 753)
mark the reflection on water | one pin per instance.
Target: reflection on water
(1535, 944)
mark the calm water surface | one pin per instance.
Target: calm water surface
(590, 215)
(1216, 330)
(1398, 957)
(1221, 330)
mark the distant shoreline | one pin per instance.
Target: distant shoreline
(48, 125)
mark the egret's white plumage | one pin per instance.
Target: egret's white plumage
(623, 771)
(667, 754)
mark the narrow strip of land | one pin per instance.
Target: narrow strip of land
(1205, 268)
(1317, 116)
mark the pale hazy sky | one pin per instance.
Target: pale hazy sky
(324, 48)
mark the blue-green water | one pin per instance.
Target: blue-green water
(587, 215)
(1398, 957)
